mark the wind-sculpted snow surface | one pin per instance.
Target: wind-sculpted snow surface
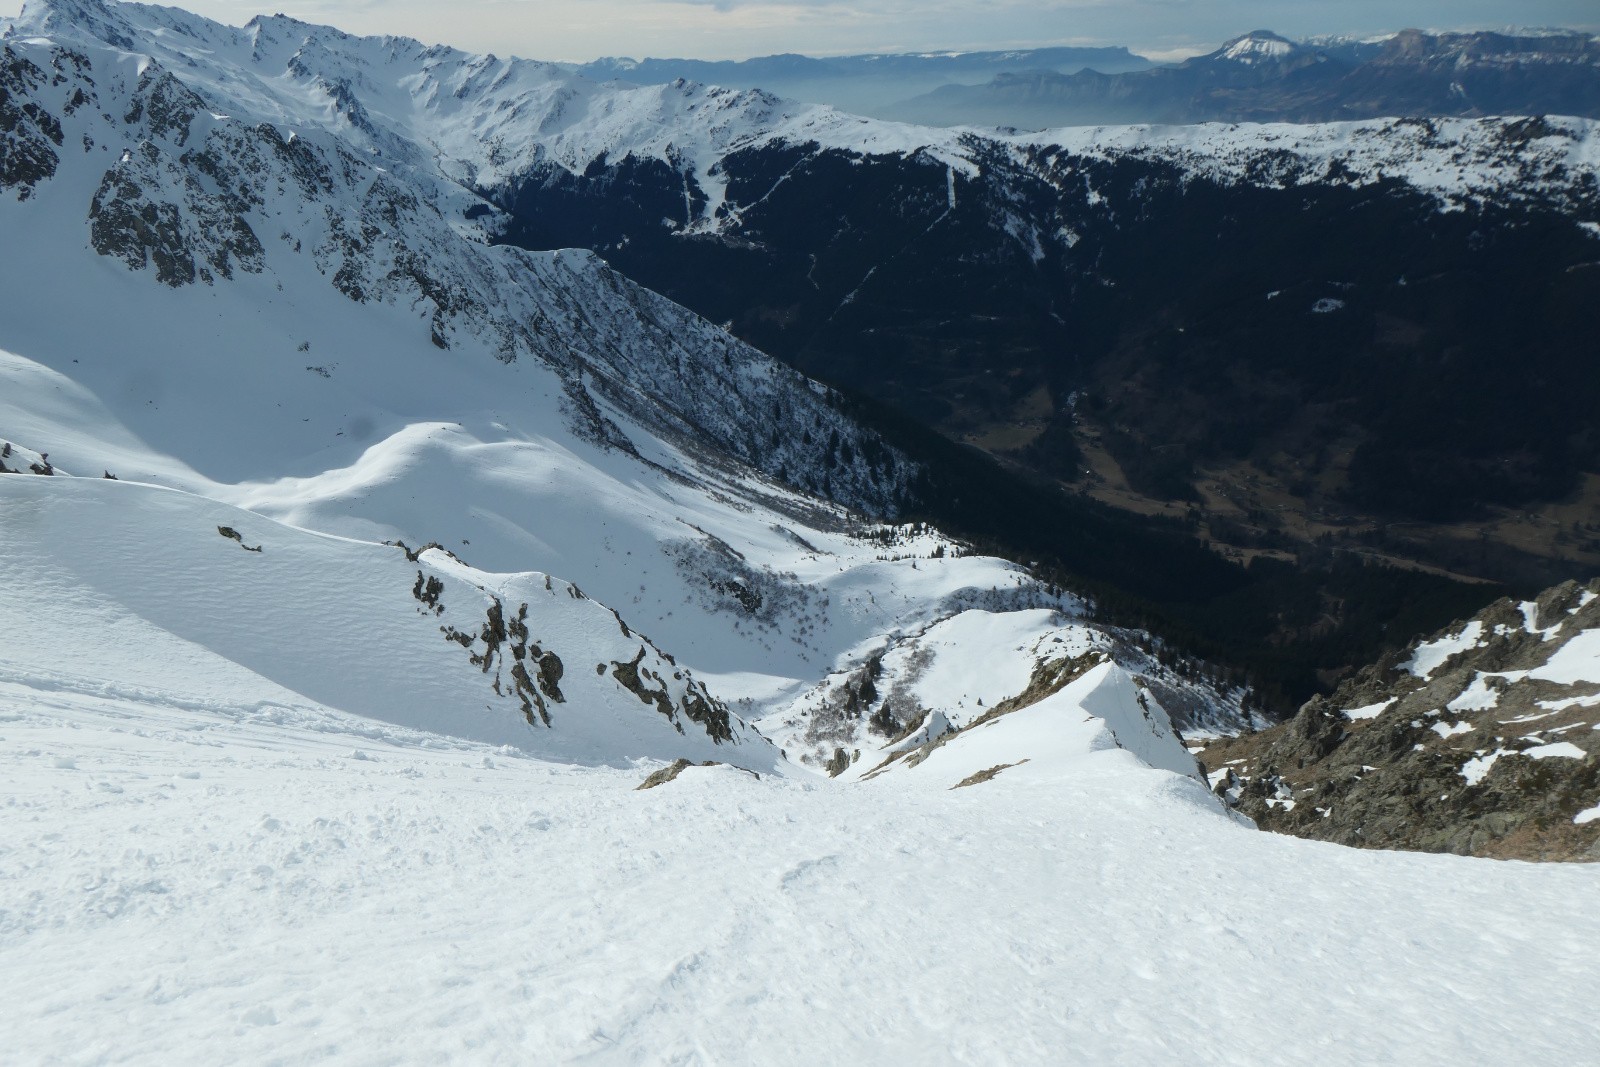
(255, 886)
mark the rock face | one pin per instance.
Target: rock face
(29, 135)
(1483, 740)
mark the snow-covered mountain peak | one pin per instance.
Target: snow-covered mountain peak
(1257, 46)
(58, 17)
(483, 118)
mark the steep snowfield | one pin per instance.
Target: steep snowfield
(754, 599)
(122, 589)
(197, 886)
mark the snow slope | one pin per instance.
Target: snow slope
(917, 686)
(121, 589)
(197, 886)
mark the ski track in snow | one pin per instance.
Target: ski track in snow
(178, 886)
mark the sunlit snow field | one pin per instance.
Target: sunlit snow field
(188, 886)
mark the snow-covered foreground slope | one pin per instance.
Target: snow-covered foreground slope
(197, 886)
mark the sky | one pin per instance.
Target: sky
(737, 29)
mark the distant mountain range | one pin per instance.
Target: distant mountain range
(1262, 77)
(869, 83)
(1258, 77)
(951, 65)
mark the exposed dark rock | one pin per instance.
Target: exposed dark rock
(666, 774)
(517, 627)
(413, 557)
(701, 708)
(428, 592)
(550, 671)
(130, 221)
(29, 135)
(697, 705)
(493, 635)
(125, 224)
(532, 700)
(166, 106)
(233, 535)
(629, 676)
(1473, 756)
(677, 767)
(986, 775)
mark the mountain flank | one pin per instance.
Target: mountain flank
(1483, 740)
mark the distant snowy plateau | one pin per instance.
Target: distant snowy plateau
(358, 569)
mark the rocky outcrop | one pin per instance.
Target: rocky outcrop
(1483, 740)
(696, 704)
(1048, 679)
(29, 135)
(522, 668)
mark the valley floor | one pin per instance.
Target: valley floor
(256, 885)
